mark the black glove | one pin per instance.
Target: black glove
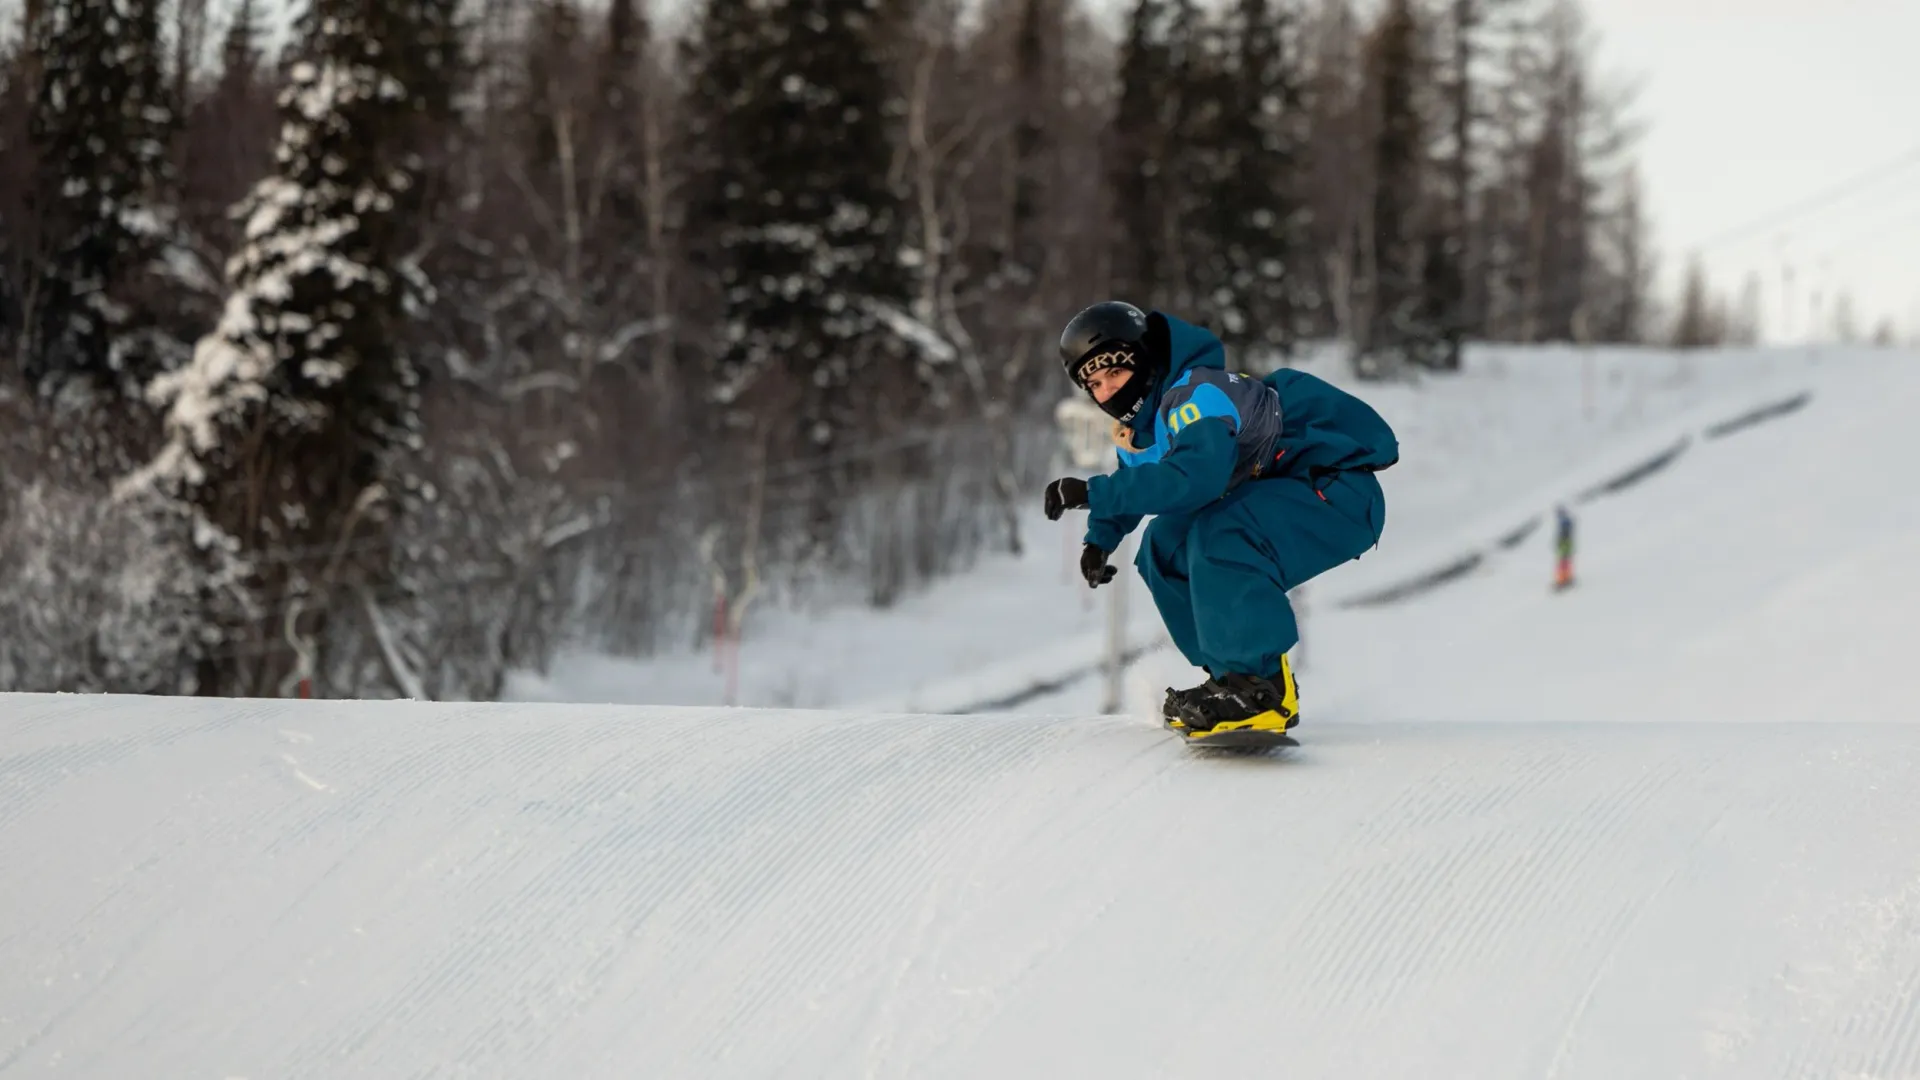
(1066, 493)
(1093, 566)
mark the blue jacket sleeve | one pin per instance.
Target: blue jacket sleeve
(1106, 531)
(1195, 471)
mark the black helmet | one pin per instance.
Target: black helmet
(1111, 334)
(1107, 323)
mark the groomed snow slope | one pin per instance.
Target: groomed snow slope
(1773, 574)
(1482, 450)
(307, 889)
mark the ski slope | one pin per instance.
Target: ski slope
(1481, 449)
(1662, 825)
(1773, 574)
(294, 889)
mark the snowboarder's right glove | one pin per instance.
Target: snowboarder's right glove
(1064, 494)
(1093, 566)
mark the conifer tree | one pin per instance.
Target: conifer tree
(1557, 187)
(1466, 78)
(790, 127)
(1138, 151)
(1698, 324)
(1620, 304)
(1450, 272)
(1257, 290)
(1403, 326)
(240, 49)
(627, 265)
(16, 180)
(293, 425)
(1022, 258)
(100, 128)
(620, 102)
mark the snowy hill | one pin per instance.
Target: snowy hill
(1769, 574)
(1659, 825)
(1482, 450)
(291, 889)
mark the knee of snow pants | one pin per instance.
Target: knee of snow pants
(1162, 562)
(1244, 553)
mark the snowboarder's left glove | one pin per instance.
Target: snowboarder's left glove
(1093, 566)
(1064, 494)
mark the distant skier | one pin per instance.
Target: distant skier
(1563, 548)
(1256, 486)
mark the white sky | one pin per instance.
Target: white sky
(1753, 107)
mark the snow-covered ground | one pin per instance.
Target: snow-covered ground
(1773, 574)
(325, 889)
(1481, 451)
(1659, 825)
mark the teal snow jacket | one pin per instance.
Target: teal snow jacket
(1210, 431)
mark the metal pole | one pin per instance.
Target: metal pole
(1084, 430)
(1116, 634)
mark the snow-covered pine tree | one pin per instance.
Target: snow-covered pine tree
(1025, 254)
(789, 124)
(290, 432)
(1175, 152)
(16, 171)
(1256, 289)
(1403, 328)
(626, 264)
(100, 128)
(1137, 151)
(1194, 158)
(95, 598)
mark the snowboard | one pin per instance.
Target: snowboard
(1246, 740)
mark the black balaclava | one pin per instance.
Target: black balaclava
(1125, 403)
(1112, 334)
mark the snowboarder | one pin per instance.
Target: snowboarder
(1255, 486)
(1562, 548)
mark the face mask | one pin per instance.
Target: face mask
(1125, 404)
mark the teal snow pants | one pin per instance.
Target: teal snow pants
(1220, 575)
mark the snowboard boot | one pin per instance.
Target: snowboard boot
(1240, 702)
(1181, 704)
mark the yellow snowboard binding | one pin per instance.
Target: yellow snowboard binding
(1237, 711)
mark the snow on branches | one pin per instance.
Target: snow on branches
(299, 410)
(304, 281)
(99, 130)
